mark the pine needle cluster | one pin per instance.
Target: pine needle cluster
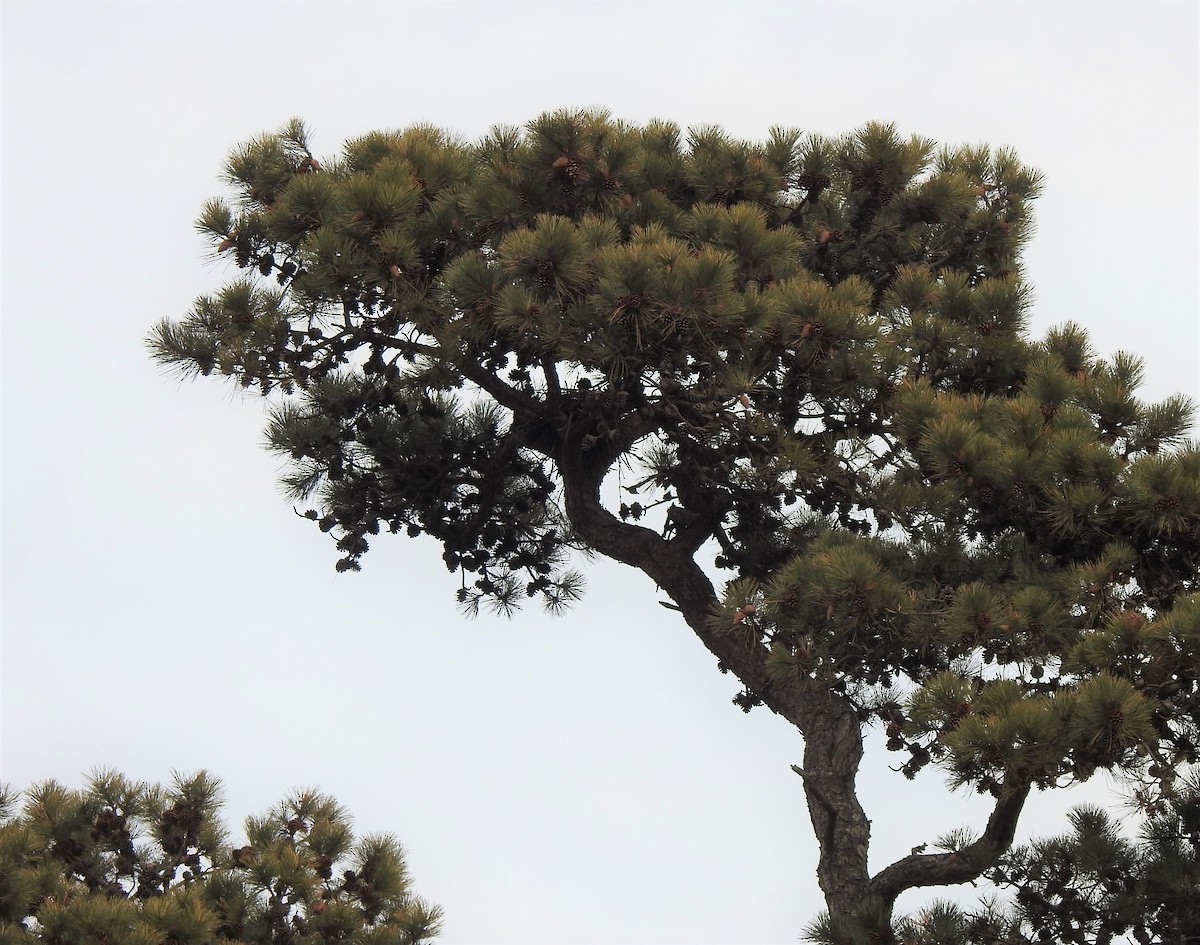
(120, 862)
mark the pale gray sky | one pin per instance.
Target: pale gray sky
(573, 781)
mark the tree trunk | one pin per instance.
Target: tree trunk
(833, 750)
(829, 723)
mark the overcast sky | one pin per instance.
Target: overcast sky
(572, 781)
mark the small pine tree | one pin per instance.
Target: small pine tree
(125, 863)
(872, 497)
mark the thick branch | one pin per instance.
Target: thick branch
(962, 865)
(553, 385)
(519, 403)
(670, 568)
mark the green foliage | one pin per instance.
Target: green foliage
(595, 270)
(801, 364)
(124, 863)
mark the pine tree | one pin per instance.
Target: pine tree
(790, 381)
(125, 863)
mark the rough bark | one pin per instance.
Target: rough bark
(833, 750)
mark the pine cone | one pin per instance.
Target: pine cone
(242, 856)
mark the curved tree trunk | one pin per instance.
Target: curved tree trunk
(829, 723)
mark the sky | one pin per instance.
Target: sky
(575, 780)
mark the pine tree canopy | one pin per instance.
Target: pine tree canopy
(791, 382)
(120, 862)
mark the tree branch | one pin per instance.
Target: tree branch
(676, 573)
(960, 866)
(553, 385)
(519, 403)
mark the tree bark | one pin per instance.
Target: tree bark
(833, 751)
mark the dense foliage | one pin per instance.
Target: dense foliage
(798, 366)
(125, 863)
